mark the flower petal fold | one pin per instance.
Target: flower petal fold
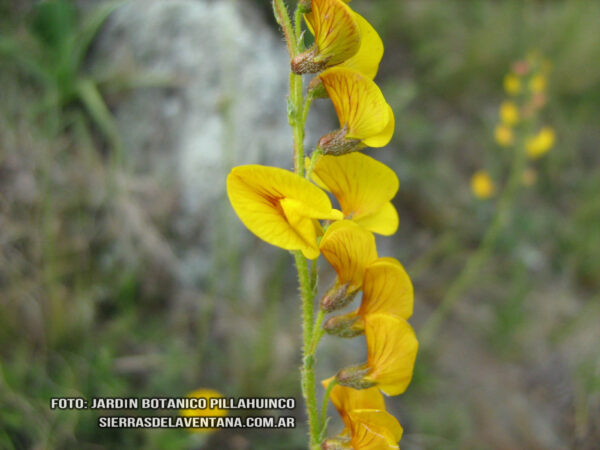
(392, 350)
(363, 186)
(349, 248)
(360, 106)
(337, 34)
(373, 429)
(279, 206)
(387, 289)
(369, 54)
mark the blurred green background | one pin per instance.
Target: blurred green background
(83, 313)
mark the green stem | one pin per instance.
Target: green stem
(479, 257)
(309, 390)
(283, 19)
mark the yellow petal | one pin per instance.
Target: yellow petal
(351, 178)
(384, 222)
(385, 136)
(392, 349)
(337, 35)
(367, 58)
(278, 206)
(346, 399)
(387, 289)
(349, 248)
(541, 143)
(512, 84)
(374, 430)
(360, 106)
(214, 412)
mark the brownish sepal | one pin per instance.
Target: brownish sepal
(345, 326)
(354, 377)
(337, 297)
(336, 143)
(306, 62)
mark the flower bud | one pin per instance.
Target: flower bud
(345, 326)
(354, 377)
(336, 143)
(337, 297)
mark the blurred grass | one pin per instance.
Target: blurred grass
(89, 310)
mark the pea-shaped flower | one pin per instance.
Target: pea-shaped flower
(279, 206)
(364, 188)
(366, 119)
(367, 55)
(346, 399)
(539, 144)
(386, 289)
(392, 350)
(213, 412)
(349, 248)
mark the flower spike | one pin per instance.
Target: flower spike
(366, 119)
(279, 206)
(351, 179)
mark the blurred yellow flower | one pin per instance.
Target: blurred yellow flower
(349, 249)
(538, 83)
(279, 206)
(363, 186)
(539, 144)
(208, 412)
(365, 117)
(337, 36)
(482, 185)
(392, 349)
(509, 113)
(512, 84)
(504, 135)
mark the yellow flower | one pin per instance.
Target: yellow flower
(504, 135)
(337, 36)
(212, 412)
(279, 206)
(363, 186)
(539, 144)
(392, 350)
(346, 399)
(512, 84)
(365, 117)
(509, 113)
(368, 56)
(538, 83)
(349, 249)
(482, 185)
(374, 430)
(386, 289)
(367, 424)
